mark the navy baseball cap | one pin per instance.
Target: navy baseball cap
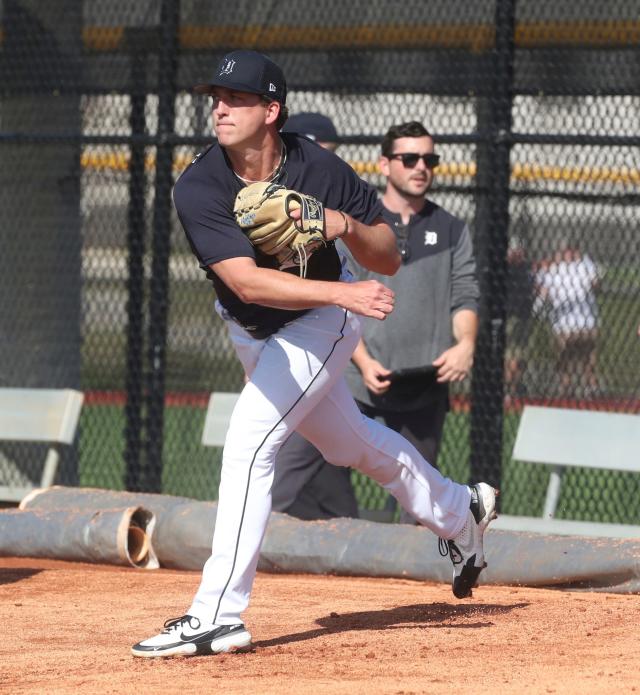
(314, 125)
(248, 71)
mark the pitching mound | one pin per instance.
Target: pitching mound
(69, 626)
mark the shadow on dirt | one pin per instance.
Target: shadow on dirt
(418, 616)
(16, 574)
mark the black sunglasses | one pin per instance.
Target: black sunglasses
(410, 159)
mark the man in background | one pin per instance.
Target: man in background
(401, 369)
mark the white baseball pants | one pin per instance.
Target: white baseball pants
(296, 383)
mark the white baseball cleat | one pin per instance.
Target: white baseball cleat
(187, 636)
(466, 549)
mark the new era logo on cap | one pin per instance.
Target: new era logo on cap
(248, 71)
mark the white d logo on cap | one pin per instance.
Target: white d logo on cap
(227, 68)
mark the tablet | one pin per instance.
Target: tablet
(413, 372)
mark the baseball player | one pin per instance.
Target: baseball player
(294, 327)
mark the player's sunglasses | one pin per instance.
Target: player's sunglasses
(410, 159)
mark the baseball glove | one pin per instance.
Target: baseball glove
(262, 211)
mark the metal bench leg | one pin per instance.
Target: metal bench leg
(50, 468)
(553, 492)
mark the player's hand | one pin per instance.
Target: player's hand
(367, 298)
(375, 377)
(455, 363)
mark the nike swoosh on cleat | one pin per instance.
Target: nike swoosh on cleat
(193, 638)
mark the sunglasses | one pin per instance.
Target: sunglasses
(410, 159)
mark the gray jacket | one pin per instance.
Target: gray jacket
(437, 279)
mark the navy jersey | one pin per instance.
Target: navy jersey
(204, 196)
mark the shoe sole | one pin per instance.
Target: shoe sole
(179, 650)
(465, 582)
(236, 642)
(240, 641)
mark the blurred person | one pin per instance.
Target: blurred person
(567, 285)
(316, 127)
(294, 337)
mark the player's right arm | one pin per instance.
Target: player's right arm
(273, 288)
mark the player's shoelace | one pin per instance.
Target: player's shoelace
(174, 624)
(451, 549)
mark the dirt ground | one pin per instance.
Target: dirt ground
(68, 628)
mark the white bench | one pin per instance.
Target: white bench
(216, 423)
(560, 437)
(35, 415)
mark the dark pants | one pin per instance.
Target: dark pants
(307, 487)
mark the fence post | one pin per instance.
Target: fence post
(151, 476)
(140, 42)
(492, 233)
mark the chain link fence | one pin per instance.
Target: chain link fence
(535, 109)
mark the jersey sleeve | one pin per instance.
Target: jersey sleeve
(206, 215)
(351, 194)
